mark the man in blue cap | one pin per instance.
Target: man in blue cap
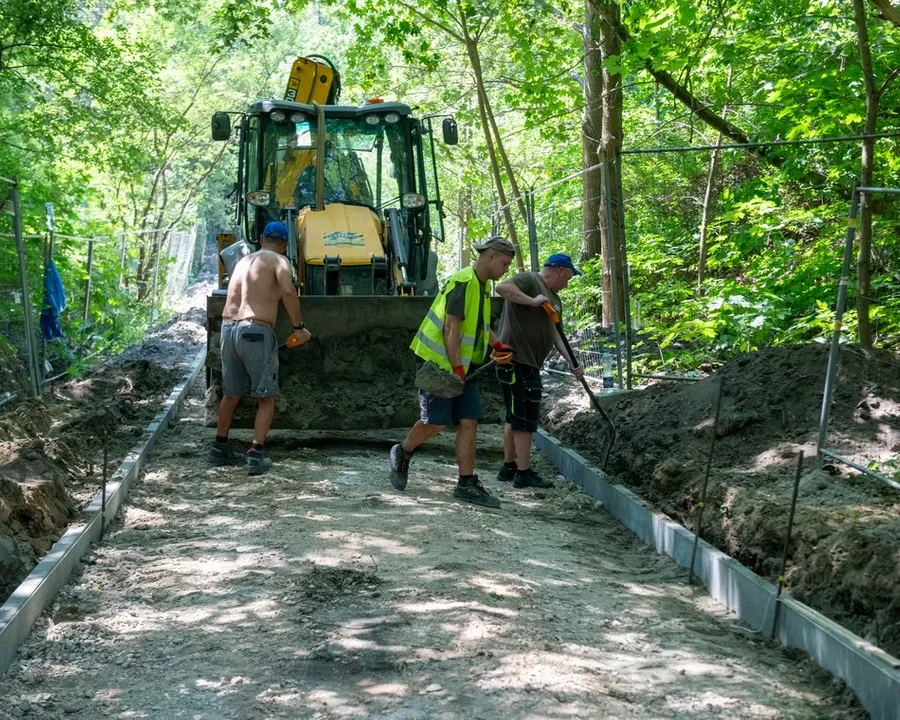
(248, 344)
(527, 327)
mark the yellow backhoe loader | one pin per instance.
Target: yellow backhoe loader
(357, 187)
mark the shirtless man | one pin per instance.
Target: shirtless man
(249, 347)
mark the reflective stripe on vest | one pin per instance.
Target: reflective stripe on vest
(428, 343)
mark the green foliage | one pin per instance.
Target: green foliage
(104, 111)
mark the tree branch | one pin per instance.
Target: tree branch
(888, 11)
(431, 21)
(684, 96)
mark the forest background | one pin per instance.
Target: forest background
(105, 112)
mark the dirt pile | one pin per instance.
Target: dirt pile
(844, 560)
(51, 449)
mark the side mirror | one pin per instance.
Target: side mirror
(451, 134)
(221, 126)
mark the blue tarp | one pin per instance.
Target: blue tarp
(54, 302)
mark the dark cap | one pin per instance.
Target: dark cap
(276, 230)
(498, 243)
(561, 260)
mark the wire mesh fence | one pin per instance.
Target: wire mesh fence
(65, 299)
(716, 261)
(18, 376)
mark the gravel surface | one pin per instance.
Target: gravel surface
(318, 591)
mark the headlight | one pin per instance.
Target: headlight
(391, 118)
(298, 117)
(413, 200)
(373, 119)
(260, 198)
(277, 116)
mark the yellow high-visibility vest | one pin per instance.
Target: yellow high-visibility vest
(428, 343)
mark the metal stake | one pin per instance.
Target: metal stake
(712, 444)
(787, 541)
(103, 487)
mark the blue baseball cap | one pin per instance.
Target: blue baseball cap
(276, 230)
(561, 260)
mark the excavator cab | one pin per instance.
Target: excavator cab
(358, 190)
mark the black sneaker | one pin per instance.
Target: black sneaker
(473, 491)
(529, 478)
(220, 455)
(257, 464)
(507, 473)
(399, 466)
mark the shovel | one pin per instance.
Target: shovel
(441, 383)
(548, 308)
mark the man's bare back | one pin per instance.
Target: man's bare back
(258, 282)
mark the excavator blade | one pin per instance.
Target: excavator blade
(356, 372)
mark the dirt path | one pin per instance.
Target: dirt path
(319, 591)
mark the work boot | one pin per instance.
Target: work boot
(220, 455)
(471, 490)
(507, 472)
(529, 478)
(399, 466)
(257, 464)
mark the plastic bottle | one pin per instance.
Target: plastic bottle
(606, 362)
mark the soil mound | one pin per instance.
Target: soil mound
(51, 448)
(844, 558)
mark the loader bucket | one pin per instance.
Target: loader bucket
(357, 371)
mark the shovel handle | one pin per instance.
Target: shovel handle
(554, 316)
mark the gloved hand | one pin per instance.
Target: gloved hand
(460, 372)
(501, 358)
(501, 347)
(551, 313)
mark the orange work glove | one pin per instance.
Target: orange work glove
(460, 372)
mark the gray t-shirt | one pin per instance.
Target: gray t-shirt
(529, 330)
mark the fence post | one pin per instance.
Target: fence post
(87, 284)
(626, 278)
(48, 256)
(122, 258)
(612, 255)
(532, 231)
(30, 343)
(834, 351)
(155, 281)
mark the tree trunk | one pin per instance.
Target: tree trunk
(611, 219)
(863, 270)
(465, 215)
(475, 61)
(591, 128)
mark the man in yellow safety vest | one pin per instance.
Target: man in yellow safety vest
(455, 335)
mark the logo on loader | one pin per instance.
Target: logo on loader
(344, 238)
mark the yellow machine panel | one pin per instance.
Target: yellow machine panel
(351, 232)
(309, 82)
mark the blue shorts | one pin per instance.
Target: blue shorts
(435, 410)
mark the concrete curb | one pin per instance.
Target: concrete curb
(871, 673)
(38, 590)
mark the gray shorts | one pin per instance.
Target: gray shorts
(249, 356)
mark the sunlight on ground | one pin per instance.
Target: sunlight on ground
(359, 542)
